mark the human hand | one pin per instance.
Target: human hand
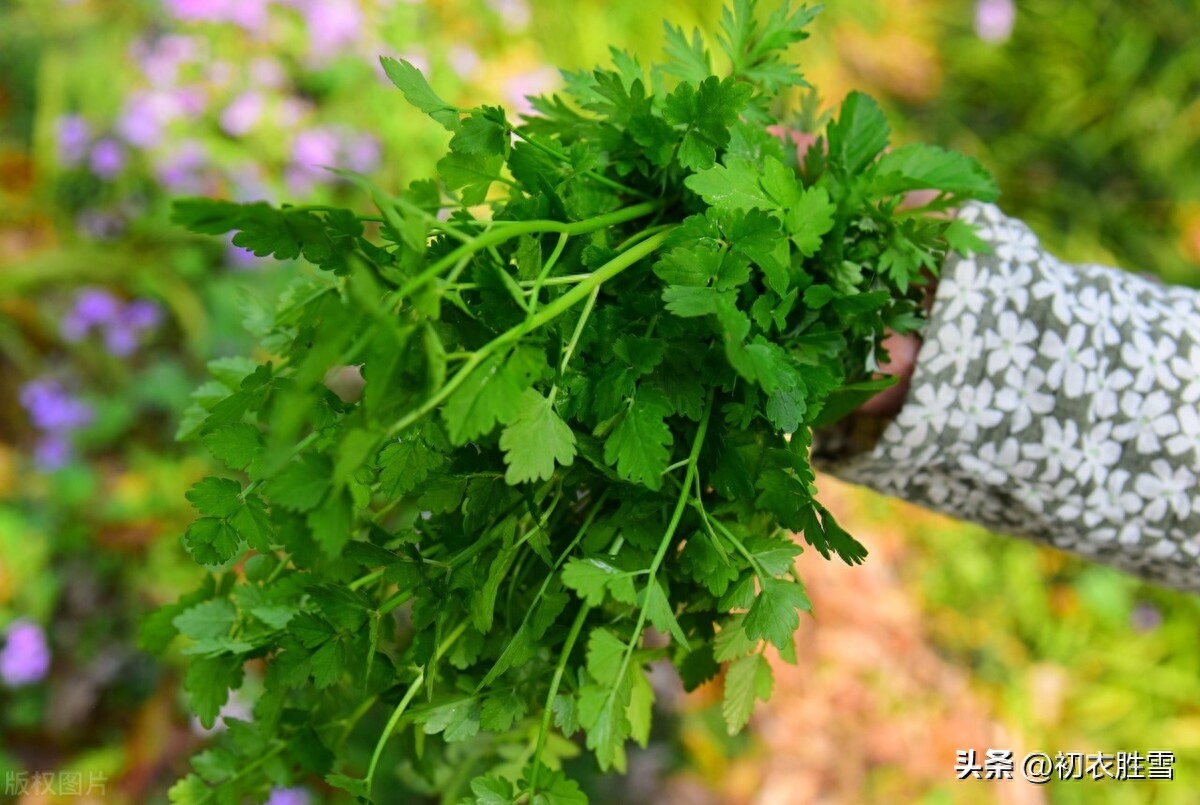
(901, 349)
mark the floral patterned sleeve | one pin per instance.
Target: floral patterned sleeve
(1056, 402)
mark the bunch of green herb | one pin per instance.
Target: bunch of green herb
(594, 349)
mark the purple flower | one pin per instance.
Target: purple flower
(315, 148)
(25, 658)
(108, 158)
(93, 307)
(267, 73)
(142, 315)
(121, 324)
(146, 114)
(73, 137)
(51, 408)
(161, 59)
(120, 340)
(182, 169)
(518, 88)
(52, 452)
(332, 25)
(289, 796)
(250, 14)
(242, 114)
(363, 154)
(994, 19)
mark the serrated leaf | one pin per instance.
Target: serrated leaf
(859, 134)
(927, 167)
(211, 541)
(301, 485)
(747, 679)
(490, 394)
(602, 715)
(215, 497)
(660, 614)
(501, 710)
(253, 524)
(536, 441)
(640, 444)
(774, 615)
(234, 445)
(810, 218)
(417, 91)
(206, 620)
(733, 186)
(331, 523)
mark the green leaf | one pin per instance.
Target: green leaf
(963, 238)
(483, 602)
(328, 664)
(602, 715)
(191, 790)
(404, 465)
(354, 786)
(732, 641)
(688, 302)
(706, 111)
(418, 92)
(640, 443)
(471, 174)
(210, 619)
(659, 612)
(747, 679)
(858, 135)
(332, 522)
(733, 186)
(640, 710)
(810, 218)
(234, 445)
(536, 440)
(604, 655)
(302, 484)
(501, 710)
(689, 59)
(211, 541)
(779, 182)
(595, 577)
(215, 497)
(483, 133)
(253, 524)
(492, 790)
(927, 167)
(457, 720)
(208, 682)
(774, 616)
(491, 394)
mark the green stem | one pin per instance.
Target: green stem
(545, 272)
(600, 178)
(547, 314)
(363, 581)
(499, 234)
(548, 711)
(676, 517)
(566, 279)
(413, 687)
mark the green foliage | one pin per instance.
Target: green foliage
(586, 412)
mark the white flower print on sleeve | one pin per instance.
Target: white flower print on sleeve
(1056, 402)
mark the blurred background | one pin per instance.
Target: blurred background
(1087, 111)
